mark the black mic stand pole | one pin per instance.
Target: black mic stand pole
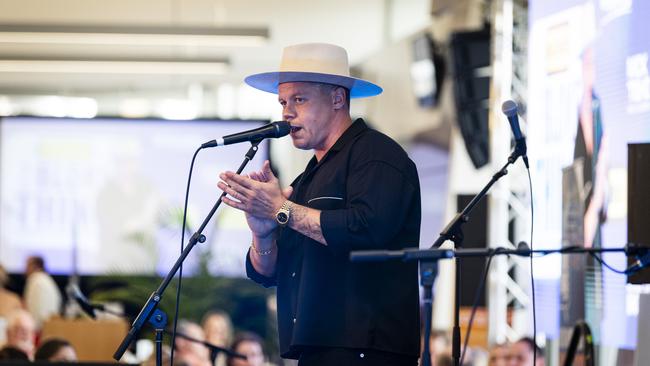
(151, 306)
(454, 232)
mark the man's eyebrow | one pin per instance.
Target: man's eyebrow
(291, 96)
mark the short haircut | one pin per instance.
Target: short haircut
(49, 348)
(328, 88)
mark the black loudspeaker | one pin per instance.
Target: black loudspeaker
(471, 63)
(638, 204)
(475, 236)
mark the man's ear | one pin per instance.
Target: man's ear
(339, 98)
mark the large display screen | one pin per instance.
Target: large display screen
(589, 96)
(104, 195)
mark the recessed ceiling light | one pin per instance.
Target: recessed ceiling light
(133, 35)
(158, 66)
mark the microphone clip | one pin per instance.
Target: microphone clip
(519, 150)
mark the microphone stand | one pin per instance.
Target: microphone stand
(428, 259)
(454, 232)
(150, 312)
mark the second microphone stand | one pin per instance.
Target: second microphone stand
(428, 268)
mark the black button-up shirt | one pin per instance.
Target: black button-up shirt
(369, 195)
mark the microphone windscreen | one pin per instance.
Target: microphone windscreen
(283, 128)
(509, 108)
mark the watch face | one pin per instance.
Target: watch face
(282, 217)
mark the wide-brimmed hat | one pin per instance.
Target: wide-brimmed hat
(317, 63)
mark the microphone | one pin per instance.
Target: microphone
(273, 130)
(509, 108)
(74, 292)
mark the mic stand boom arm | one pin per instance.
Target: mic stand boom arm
(152, 303)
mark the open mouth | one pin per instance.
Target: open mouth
(295, 129)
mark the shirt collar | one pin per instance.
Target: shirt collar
(358, 126)
(348, 135)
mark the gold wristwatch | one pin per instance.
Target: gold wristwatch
(284, 213)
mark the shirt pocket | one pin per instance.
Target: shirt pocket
(332, 202)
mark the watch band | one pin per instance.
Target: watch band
(286, 205)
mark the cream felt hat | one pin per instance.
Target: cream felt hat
(314, 62)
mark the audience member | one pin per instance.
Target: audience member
(520, 353)
(498, 355)
(218, 331)
(249, 345)
(56, 350)
(187, 351)
(42, 296)
(21, 332)
(9, 301)
(11, 353)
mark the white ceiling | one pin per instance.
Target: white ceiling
(361, 26)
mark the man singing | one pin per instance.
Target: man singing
(360, 191)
